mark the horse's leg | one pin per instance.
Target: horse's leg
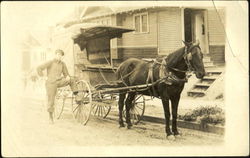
(128, 103)
(121, 105)
(174, 105)
(165, 102)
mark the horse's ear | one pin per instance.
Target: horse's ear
(188, 44)
(185, 43)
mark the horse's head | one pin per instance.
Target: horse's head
(193, 57)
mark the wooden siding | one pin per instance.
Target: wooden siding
(217, 54)
(139, 52)
(139, 39)
(216, 33)
(169, 33)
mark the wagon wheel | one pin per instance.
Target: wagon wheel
(102, 105)
(137, 110)
(82, 102)
(60, 98)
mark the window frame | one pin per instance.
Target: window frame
(140, 15)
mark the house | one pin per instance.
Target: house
(159, 30)
(35, 49)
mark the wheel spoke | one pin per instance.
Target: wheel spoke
(76, 108)
(96, 110)
(101, 111)
(138, 97)
(104, 111)
(139, 107)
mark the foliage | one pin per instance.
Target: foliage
(205, 114)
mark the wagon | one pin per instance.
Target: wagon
(96, 101)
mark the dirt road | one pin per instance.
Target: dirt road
(32, 129)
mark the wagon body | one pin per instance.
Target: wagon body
(89, 49)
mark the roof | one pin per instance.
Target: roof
(82, 33)
(88, 31)
(74, 15)
(99, 11)
(96, 10)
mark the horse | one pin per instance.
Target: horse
(168, 74)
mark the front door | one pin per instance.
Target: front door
(200, 32)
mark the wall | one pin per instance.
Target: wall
(216, 26)
(138, 45)
(217, 54)
(133, 39)
(169, 33)
(216, 35)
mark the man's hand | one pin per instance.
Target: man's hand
(67, 78)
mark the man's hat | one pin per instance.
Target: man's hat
(59, 51)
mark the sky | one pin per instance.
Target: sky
(34, 17)
(37, 16)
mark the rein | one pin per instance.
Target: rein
(169, 75)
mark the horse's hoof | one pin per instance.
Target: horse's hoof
(121, 125)
(171, 137)
(177, 136)
(129, 126)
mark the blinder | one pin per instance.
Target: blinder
(189, 55)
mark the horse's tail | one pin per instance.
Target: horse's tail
(125, 69)
(119, 71)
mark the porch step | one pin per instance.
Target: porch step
(208, 64)
(209, 78)
(199, 89)
(196, 93)
(209, 73)
(202, 85)
(207, 61)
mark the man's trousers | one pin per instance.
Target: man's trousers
(51, 89)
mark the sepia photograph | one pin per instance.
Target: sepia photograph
(124, 78)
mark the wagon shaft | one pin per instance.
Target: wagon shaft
(117, 90)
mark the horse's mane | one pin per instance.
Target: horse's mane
(173, 58)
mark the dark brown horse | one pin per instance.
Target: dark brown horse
(173, 67)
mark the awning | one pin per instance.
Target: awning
(82, 33)
(92, 31)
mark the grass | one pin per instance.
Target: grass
(205, 115)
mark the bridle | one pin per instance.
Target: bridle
(187, 58)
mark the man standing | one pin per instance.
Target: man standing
(55, 69)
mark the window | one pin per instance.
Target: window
(141, 23)
(137, 24)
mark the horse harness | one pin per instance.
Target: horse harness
(167, 76)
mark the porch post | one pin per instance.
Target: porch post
(182, 26)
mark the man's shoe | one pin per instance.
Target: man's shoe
(51, 120)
